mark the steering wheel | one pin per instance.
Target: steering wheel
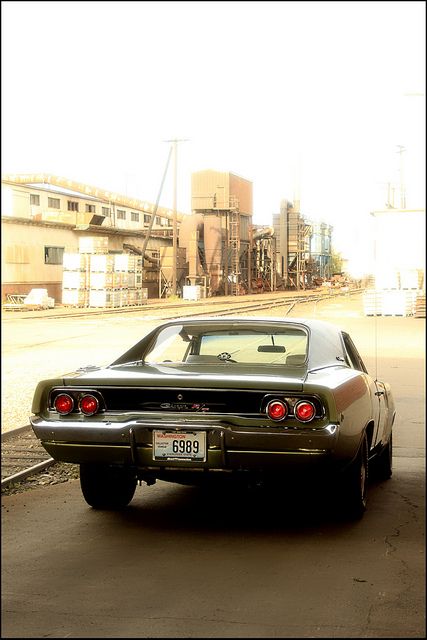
(225, 357)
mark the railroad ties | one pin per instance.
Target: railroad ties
(21, 456)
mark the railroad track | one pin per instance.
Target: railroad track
(239, 301)
(23, 456)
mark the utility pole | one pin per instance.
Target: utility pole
(153, 215)
(175, 234)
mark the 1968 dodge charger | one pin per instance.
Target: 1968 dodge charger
(203, 398)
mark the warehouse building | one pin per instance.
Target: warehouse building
(44, 217)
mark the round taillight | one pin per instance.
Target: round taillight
(277, 410)
(63, 403)
(305, 411)
(89, 405)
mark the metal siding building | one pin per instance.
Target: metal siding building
(40, 222)
(213, 190)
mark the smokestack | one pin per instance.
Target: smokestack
(297, 186)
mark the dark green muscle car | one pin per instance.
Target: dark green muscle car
(207, 398)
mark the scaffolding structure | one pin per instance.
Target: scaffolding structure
(303, 249)
(263, 260)
(299, 233)
(232, 272)
(320, 251)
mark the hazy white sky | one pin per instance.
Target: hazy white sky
(286, 94)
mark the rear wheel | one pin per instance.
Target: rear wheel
(355, 484)
(105, 487)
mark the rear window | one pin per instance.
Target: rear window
(195, 345)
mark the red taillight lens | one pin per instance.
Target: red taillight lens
(277, 410)
(63, 404)
(305, 411)
(89, 405)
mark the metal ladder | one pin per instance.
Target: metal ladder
(234, 243)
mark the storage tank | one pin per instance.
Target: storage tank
(213, 249)
(190, 234)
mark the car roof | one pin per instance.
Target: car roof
(308, 322)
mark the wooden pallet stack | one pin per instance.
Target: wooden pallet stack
(396, 294)
(75, 280)
(95, 277)
(420, 305)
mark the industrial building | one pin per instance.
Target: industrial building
(303, 248)
(45, 217)
(217, 236)
(219, 250)
(227, 254)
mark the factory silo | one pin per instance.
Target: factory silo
(224, 200)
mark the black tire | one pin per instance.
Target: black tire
(105, 487)
(383, 464)
(355, 484)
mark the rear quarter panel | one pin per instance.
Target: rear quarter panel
(41, 393)
(347, 395)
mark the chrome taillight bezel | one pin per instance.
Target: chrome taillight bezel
(306, 402)
(280, 402)
(70, 398)
(89, 413)
(292, 419)
(76, 396)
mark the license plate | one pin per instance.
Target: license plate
(179, 445)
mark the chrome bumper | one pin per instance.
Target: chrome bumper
(229, 446)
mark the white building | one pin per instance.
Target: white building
(399, 248)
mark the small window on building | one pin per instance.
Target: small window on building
(121, 214)
(54, 203)
(34, 199)
(90, 208)
(147, 218)
(72, 206)
(53, 255)
(134, 216)
(158, 220)
(106, 211)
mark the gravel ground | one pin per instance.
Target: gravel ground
(57, 473)
(26, 440)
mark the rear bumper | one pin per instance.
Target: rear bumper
(229, 447)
